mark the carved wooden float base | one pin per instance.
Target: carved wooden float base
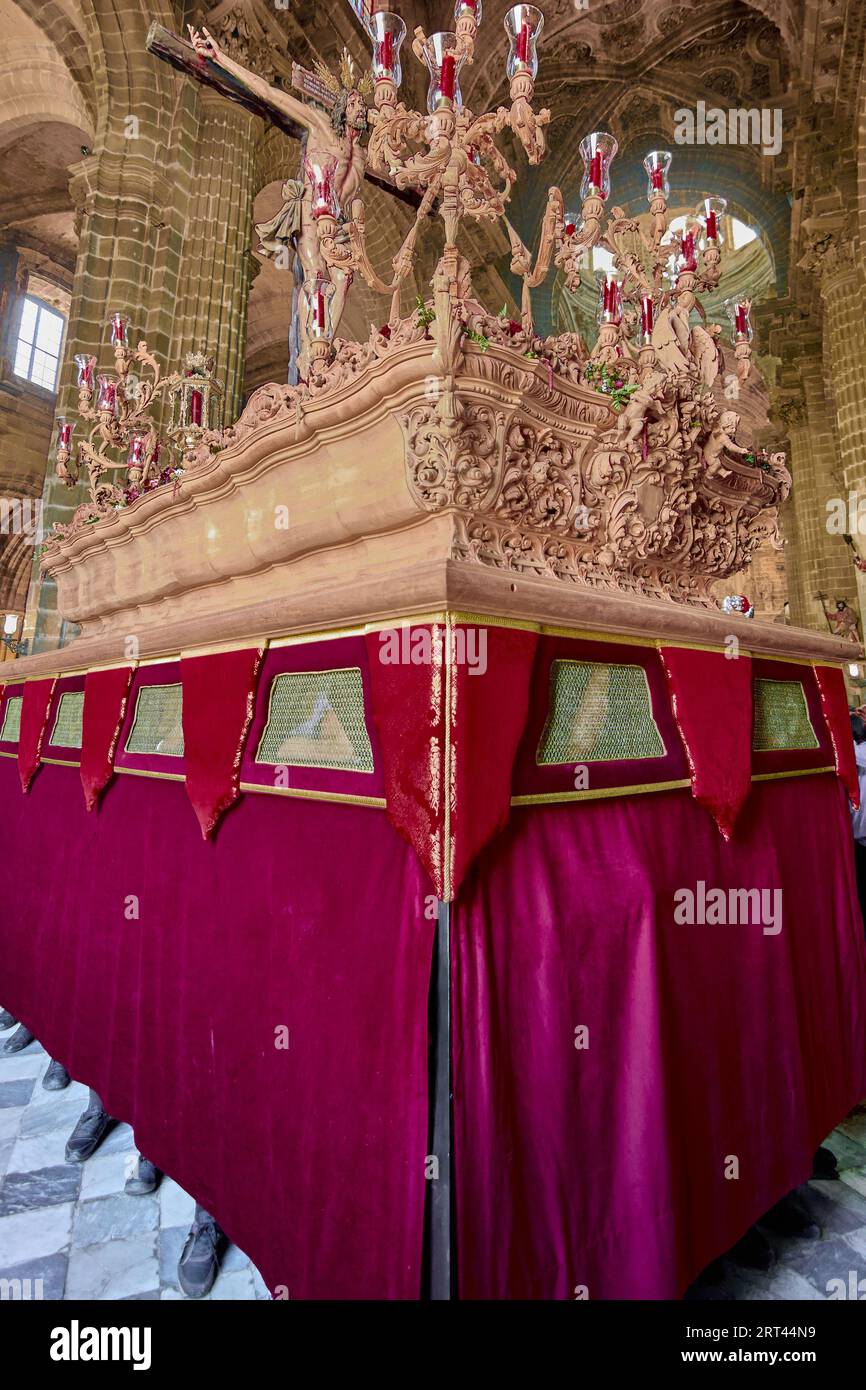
(499, 487)
(438, 588)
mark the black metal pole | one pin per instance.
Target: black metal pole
(440, 1272)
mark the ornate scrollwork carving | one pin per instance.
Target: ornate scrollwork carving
(455, 468)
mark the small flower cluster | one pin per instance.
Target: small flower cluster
(425, 315)
(759, 459)
(172, 474)
(616, 387)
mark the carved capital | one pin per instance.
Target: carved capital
(789, 408)
(830, 251)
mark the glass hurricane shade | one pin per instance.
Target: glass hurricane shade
(523, 24)
(388, 32)
(10, 624)
(468, 7)
(570, 223)
(647, 315)
(739, 314)
(688, 254)
(107, 397)
(444, 64)
(119, 329)
(711, 211)
(597, 152)
(85, 364)
(609, 300)
(135, 453)
(657, 164)
(64, 433)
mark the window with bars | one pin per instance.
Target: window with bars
(40, 340)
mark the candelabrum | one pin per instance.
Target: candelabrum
(447, 154)
(658, 274)
(450, 157)
(117, 406)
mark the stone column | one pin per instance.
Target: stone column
(816, 562)
(123, 242)
(166, 241)
(215, 273)
(832, 255)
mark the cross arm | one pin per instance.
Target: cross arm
(172, 49)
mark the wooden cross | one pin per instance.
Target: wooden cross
(162, 43)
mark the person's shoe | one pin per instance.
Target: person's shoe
(825, 1164)
(21, 1038)
(87, 1135)
(56, 1078)
(145, 1179)
(6, 1020)
(200, 1258)
(753, 1251)
(789, 1218)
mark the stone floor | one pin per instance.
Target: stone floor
(803, 1269)
(71, 1225)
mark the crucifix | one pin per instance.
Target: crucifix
(328, 122)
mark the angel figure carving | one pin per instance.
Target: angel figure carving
(722, 440)
(334, 120)
(679, 346)
(647, 403)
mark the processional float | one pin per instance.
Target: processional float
(429, 639)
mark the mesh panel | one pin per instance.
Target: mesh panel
(781, 717)
(11, 731)
(67, 725)
(598, 713)
(316, 719)
(157, 726)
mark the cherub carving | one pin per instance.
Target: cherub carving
(722, 440)
(646, 402)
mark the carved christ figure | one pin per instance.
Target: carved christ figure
(332, 138)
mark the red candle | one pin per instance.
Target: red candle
(521, 43)
(320, 311)
(195, 407)
(65, 436)
(646, 315)
(447, 78)
(569, 229)
(595, 171)
(136, 451)
(743, 320)
(689, 251)
(712, 231)
(118, 334)
(658, 177)
(386, 52)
